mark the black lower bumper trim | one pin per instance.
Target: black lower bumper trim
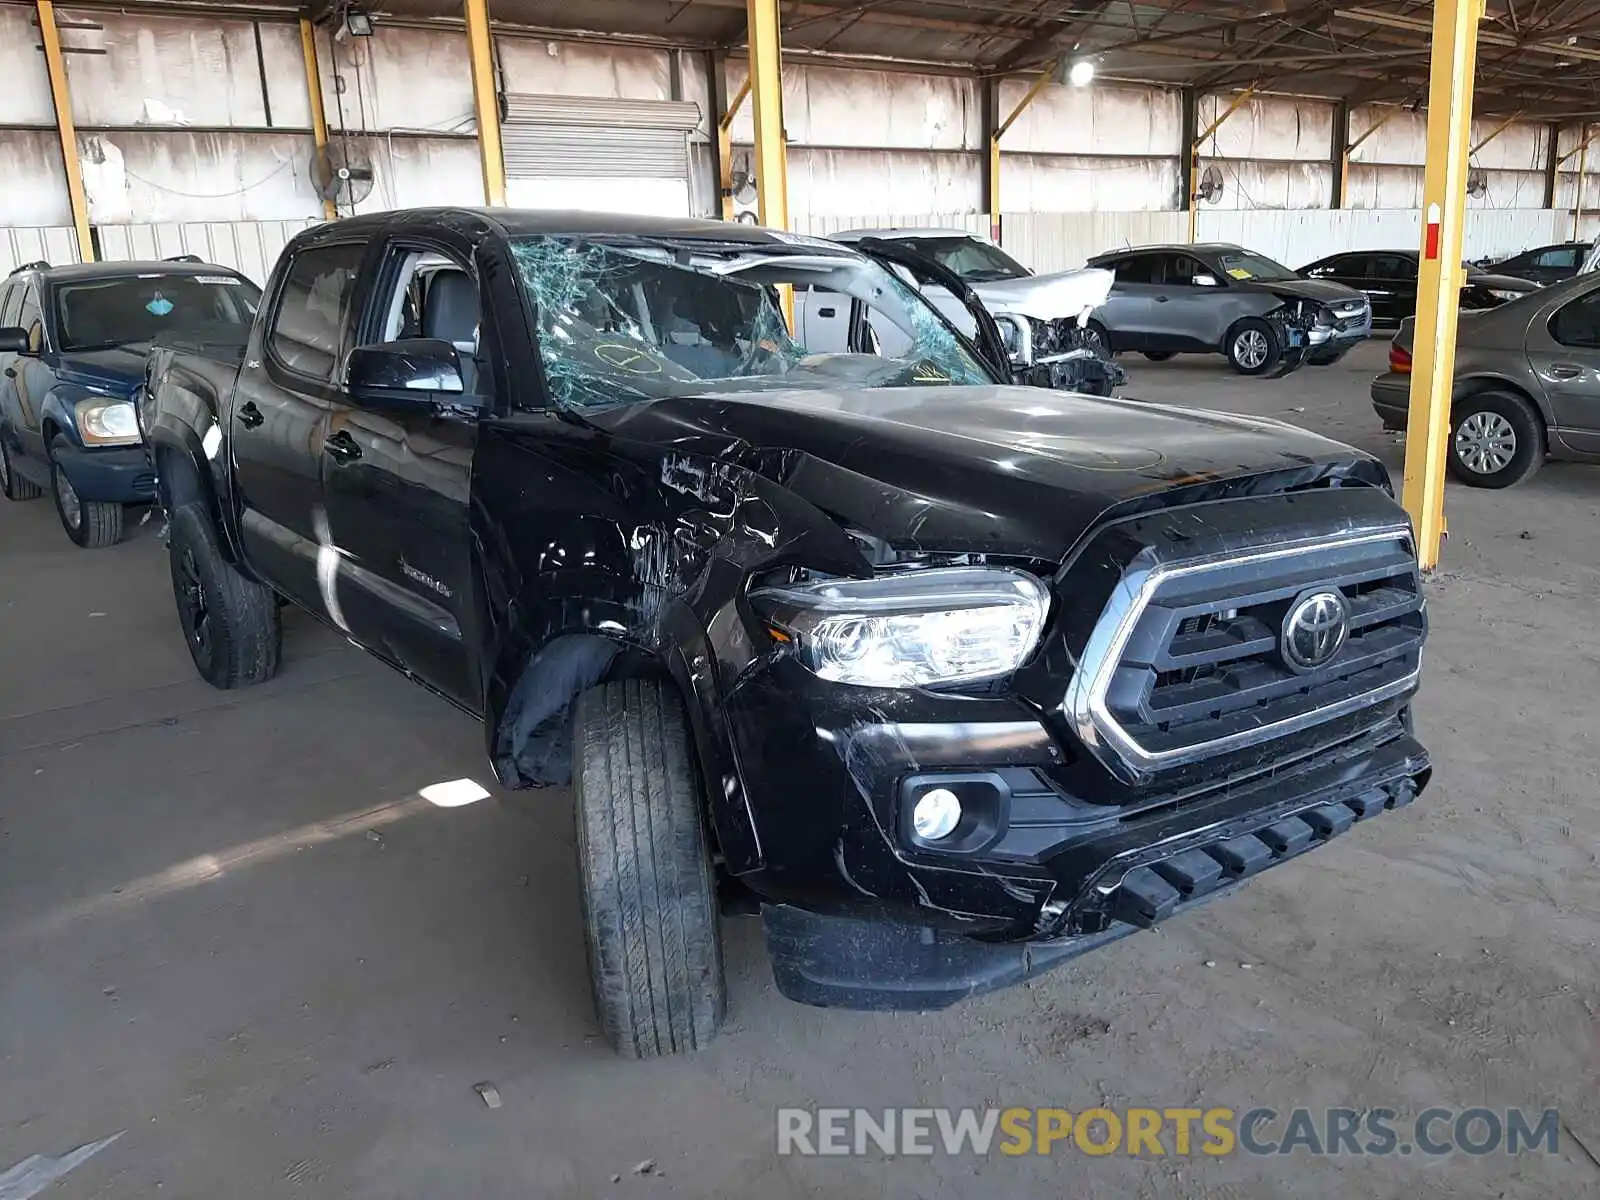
(848, 962)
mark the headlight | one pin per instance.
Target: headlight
(944, 625)
(1498, 294)
(108, 422)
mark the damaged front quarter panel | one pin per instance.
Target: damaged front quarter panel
(639, 566)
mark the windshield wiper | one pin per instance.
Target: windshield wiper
(114, 345)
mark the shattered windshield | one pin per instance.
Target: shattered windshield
(100, 313)
(633, 320)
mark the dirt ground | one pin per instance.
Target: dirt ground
(229, 927)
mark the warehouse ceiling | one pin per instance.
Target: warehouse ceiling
(1536, 58)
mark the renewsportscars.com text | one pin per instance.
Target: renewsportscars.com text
(1158, 1132)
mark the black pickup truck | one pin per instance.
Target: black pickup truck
(954, 679)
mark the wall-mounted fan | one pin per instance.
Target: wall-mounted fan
(1210, 189)
(342, 173)
(1477, 183)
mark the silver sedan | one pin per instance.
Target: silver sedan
(1527, 384)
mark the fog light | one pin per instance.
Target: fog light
(936, 814)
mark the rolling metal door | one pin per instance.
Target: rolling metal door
(566, 137)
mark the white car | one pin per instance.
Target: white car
(1043, 319)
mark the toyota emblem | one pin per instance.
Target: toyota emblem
(1315, 630)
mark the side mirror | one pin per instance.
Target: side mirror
(411, 373)
(13, 340)
(1204, 281)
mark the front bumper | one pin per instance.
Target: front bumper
(1391, 399)
(1126, 879)
(859, 915)
(1337, 347)
(112, 474)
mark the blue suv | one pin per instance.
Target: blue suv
(73, 343)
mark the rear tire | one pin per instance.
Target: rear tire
(91, 524)
(1496, 440)
(12, 485)
(649, 897)
(231, 623)
(1252, 347)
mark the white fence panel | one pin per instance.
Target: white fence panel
(1061, 241)
(820, 225)
(1296, 238)
(51, 243)
(249, 247)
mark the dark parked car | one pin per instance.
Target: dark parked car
(1388, 278)
(1543, 265)
(1222, 299)
(73, 342)
(1527, 384)
(955, 679)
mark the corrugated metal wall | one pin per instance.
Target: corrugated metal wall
(250, 247)
(190, 126)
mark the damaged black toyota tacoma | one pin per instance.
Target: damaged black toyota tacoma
(951, 679)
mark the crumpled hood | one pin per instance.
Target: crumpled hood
(118, 370)
(1046, 297)
(997, 469)
(1312, 289)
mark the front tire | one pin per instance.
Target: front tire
(649, 898)
(1252, 347)
(231, 623)
(12, 485)
(1158, 355)
(1496, 440)
(91, 524)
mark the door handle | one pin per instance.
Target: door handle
(827, 312)
(342, 447)
(1161, 299)
(1565, 371)
(11, 372)
(249, 415)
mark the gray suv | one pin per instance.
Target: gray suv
(1222, 299)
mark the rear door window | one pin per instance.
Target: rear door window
(1393, 266)
(313, 309)
(1577, 323)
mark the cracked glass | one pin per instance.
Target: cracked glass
(621, 321)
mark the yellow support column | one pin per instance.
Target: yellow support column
(1044, 79)
(486, 101)
(56, 65)
(766, 93)
(319, 117)
(1444, 204)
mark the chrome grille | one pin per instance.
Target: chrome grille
(1193, 667)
